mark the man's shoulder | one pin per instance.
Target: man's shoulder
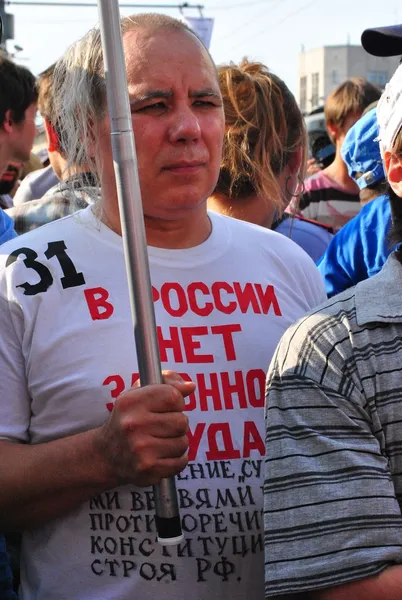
(39, 238)
(270, 250)
(243, 231)
(318, 326)
(336, 308)
(54, 205)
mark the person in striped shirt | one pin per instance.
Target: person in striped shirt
(333, 468)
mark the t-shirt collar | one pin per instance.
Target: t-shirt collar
(379, 299)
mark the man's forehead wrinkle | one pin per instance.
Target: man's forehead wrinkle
(135, 49)
(136, 58)
(147, 64)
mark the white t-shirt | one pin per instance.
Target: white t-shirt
(67, 351)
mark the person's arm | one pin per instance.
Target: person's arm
(41, 482)
(143, 441)
(386, 586)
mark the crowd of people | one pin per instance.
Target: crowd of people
(276, 275)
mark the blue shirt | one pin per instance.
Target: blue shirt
(314, 239)
(360, 249)
(6, 591)
(7, 231)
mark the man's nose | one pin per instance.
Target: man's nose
(184, 126)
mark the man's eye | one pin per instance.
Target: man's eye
(157, 107)
(205, 103)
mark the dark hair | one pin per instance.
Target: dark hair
(18, 90)
(370, 192)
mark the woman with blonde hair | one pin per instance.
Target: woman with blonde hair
(264, 155)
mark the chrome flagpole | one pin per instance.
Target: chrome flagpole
(167, 517)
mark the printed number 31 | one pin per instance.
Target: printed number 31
(71, 278)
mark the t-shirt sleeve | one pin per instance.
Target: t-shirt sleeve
(309, 279)
(14, 397)
(330, 511)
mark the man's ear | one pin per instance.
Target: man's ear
(53, 144)
(333, 131)
(393, 169)
(8, 122)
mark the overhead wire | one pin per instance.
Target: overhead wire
(273, 5)
(239, 5)
(271, 25)
(258, 16)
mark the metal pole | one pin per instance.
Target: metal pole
(168, 523)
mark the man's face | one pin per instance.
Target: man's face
(178, 121)
(10, 177)
(22, 137)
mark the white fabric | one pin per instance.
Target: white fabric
(61, 370)
(389, 111)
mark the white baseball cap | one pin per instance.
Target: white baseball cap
(389, 111)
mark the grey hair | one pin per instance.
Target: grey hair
(79, 93)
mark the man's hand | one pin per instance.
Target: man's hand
(145, 438)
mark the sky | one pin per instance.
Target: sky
(270, 31)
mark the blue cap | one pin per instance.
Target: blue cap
(361, 151)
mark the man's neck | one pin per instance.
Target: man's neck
(178, 234)
(163, 233)
(338, 173)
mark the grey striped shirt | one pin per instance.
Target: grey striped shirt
(333, 478)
